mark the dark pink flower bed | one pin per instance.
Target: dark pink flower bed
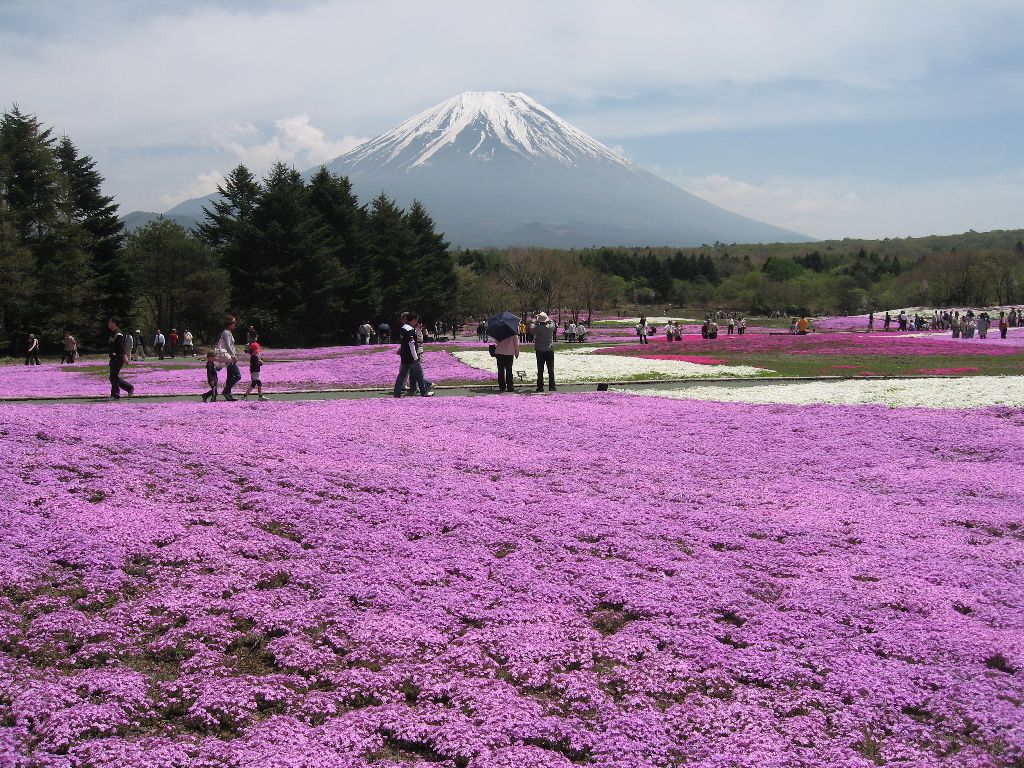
(832, 344)
(324, 584)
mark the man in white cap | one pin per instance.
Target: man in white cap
(544, 347)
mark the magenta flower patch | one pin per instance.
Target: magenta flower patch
(599, 580)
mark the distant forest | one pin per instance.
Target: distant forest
(828, 277)
(306, 262)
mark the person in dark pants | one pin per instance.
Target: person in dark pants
(411, 366)
(118, 353)
(544, 347)
(172, 341)
(32, 353)
(158, 343)
(505, 351)
(226, 345)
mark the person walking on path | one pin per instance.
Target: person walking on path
(70, 348)
(1004, 325)
(32, 353)
(187, 347)
(411, 365)
(641, 330)
(255, 366)
(172, 341)
(505, 351)
(544, 347)
(871, 322)
(159, 342)
(211, 377)
(139, 348)
(117, 351)
(226, 352)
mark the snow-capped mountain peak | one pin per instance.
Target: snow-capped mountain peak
(483, 126)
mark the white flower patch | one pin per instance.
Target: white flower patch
(634, 321)
(972, 392)
(581, 365)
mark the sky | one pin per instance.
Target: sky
(834, 118)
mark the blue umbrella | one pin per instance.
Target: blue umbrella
(502, 325)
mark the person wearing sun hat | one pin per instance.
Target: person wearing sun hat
(544, 347)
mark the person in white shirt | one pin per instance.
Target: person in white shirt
(226, 352)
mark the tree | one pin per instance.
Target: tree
(96, 214)
(176, 278)
(390, 245)
(434, 290)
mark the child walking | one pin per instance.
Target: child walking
(255, 364)
(211, 377)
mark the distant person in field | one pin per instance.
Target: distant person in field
(32, 351)
(544, 347)
(641, 330)
(802, 325)
(138, 348)
(172, 342)
(743, 326)
(1004, 324)
(227, 354)
(70, 348)
(159, 342)
(505, 351)
(670, 328)
(886, 322)
(481, 331)
(187, 345)
(731, 324)
(364, 332)
(250, 335)
(871, 322)
(255, 369)
(211, 377)
(522, 332)
(117, 352)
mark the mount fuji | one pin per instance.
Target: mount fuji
(499, 169)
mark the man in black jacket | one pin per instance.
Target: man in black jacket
(412, 366)
(118, 352)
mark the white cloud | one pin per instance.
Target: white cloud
(295, 141)
(202, 185)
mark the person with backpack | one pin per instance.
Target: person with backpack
(117, 352)
(226, 353)
(32, 353)
(544, 347)
(411, 365)
(70, 348)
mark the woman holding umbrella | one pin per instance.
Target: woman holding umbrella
(504, 329)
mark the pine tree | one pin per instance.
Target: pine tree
(296, 281)
(435, 287)
(390, 244)
(342, 221)
(96, 214)
(225, 228)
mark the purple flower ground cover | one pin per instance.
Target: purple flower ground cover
(330, 370)
(323, 584)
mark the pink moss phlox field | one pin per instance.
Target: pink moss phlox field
(946, 371)
(350, 370)
(832, 344)
(323, 584)
(699, 359)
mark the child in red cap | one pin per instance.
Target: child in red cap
(255, 364)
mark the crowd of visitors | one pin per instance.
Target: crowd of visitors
(961, 324)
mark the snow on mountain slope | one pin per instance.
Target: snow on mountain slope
(483, 125)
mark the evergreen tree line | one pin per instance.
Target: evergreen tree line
(301, 260)
(61, 242)
(307, 263)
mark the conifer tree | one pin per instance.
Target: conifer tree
(435, 287)
(390, 245)
(96, 214)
